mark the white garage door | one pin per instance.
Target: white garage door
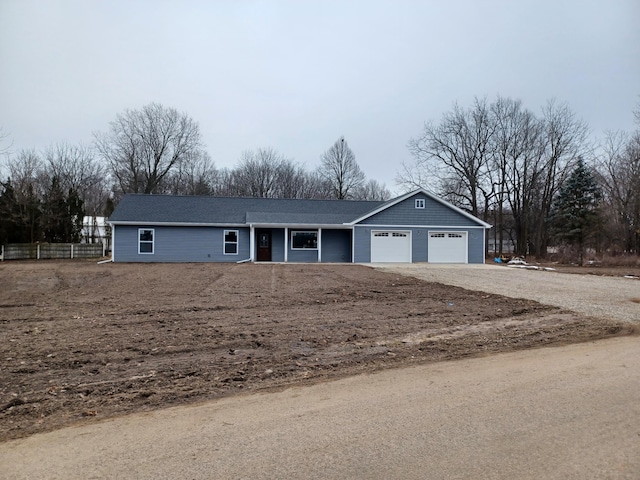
(388, 246)
(447, 247)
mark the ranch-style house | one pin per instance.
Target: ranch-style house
(415, 227)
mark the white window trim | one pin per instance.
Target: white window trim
(420, 203)
(224, 242)
(152, 242)
(293, 232)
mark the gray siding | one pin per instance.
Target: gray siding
(179, 244)
(277, 245)
(405, 213)
(306, 256)
(362, 245)
(476, 245)
(336, 245)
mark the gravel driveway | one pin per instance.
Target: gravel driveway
(597, 296)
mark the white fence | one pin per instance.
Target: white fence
(41, 251)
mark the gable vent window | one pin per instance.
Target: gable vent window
(419, 202)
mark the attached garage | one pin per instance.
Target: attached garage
(390, 246)
(448, 247)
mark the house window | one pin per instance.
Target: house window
(437, 235)
(145, 240)
(419, 202)
(455, 235)
(231, 242)
(304, 239)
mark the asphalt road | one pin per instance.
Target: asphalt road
(566, 412)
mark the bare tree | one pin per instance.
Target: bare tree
(566, 140)
(499, 162)
(77, 169)
(372, 190)
(292, 180)
(27, 170)
(620, 180)
(5, 143)
(455, 153)
(517, 162)
(28, 182)
(197, 175)
(257, 173)
(341, 171)
(144, 147)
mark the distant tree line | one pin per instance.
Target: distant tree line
(45, 195)
(538, 179)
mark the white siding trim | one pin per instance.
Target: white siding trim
(113, 243)
(286, 244)
(252, 243)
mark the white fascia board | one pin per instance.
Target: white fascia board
(459, 227)
(303, 226)
(182, 224)
(428, 194)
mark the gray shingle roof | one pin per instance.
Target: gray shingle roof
(234, 211)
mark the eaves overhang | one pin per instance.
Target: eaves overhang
(306, 226)
(177, 224)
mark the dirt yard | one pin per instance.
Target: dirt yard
(82, 341)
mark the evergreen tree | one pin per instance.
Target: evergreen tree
(30, 216)
(575, 216)
(10, 227)
(55, 218)
(75, 210)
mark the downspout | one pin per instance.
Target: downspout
(286, 244)
(252, 242)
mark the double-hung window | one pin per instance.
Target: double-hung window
(231, 242)
(145, 240)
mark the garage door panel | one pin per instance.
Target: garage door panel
(447, 247)
(390, 246)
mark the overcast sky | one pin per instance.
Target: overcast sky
(296, 75)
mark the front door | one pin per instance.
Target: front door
(264, 245)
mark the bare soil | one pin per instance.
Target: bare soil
(81, 341)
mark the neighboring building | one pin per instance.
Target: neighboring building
(416, 227)
(94, 230)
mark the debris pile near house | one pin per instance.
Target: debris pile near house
(519, 262)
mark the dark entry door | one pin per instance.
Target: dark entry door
(264, 245)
